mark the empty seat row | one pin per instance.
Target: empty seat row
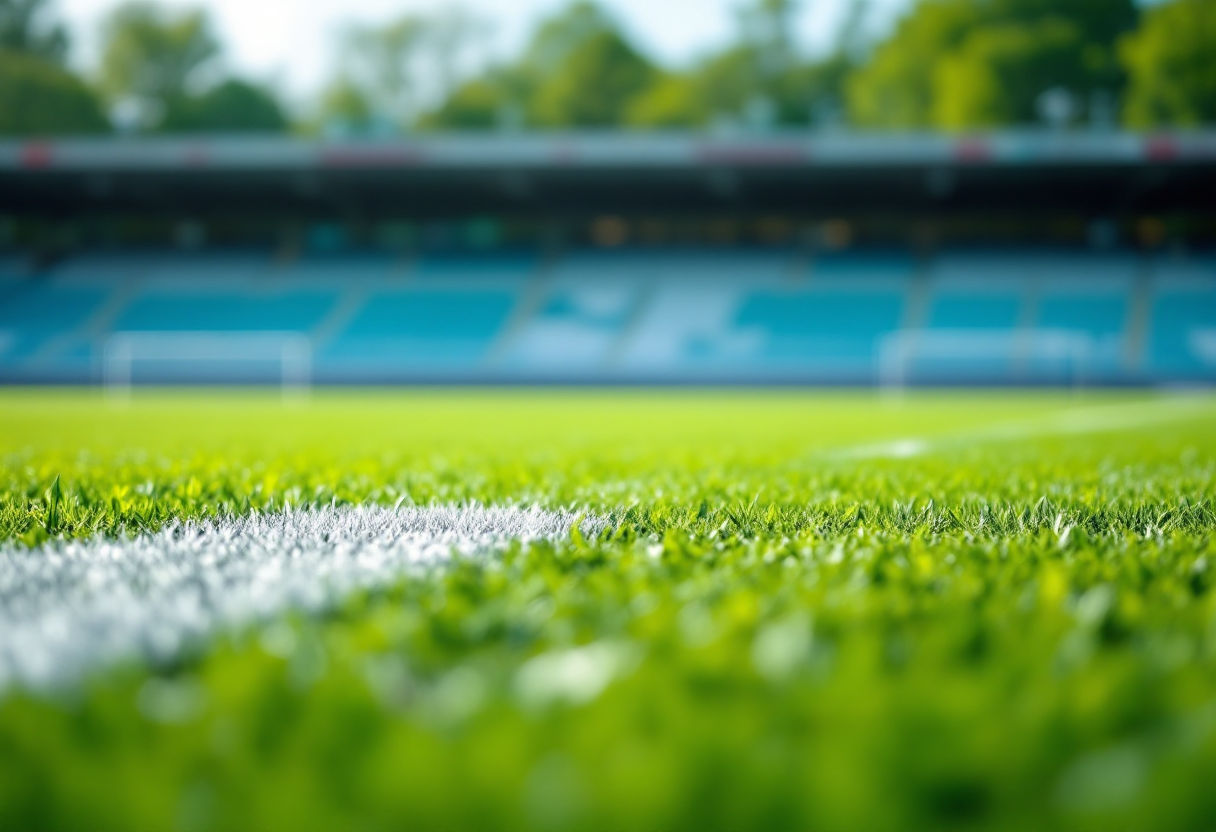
(663, 314)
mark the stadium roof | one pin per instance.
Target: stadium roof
(453, 173)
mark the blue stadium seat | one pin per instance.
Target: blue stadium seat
(280, 311)
(1183, 325)
(653, 313)
(577, 326)
(687, 263)
(859, 265)
(13, 268)
(974, 310)
(821, 326)
(507, 267)
(442, 327)
(585, 305)
(976, 294)
(110, 266)
(1093, 314)
(341, 269)
(1098, 318)
(33, 312)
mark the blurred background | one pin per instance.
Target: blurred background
(750, 191)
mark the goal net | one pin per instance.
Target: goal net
(282, 358)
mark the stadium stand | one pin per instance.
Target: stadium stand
(442, 318)
(737, 314)
(979, 259)
(34, 314)
(1182, 330)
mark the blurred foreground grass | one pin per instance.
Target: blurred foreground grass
(811, 611)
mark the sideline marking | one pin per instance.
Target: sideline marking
(1087, 420)
(68, 608)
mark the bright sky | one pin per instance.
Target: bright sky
(290, 42)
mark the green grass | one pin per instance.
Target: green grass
(1015, 629)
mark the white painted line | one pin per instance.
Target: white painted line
(70, 607)
(1080, 421)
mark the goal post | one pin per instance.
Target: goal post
(964, 350)
(191, 352)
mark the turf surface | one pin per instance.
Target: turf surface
(986, 611)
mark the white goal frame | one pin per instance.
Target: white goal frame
(898, 350)
(293, 351)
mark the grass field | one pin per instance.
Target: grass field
(792, 611)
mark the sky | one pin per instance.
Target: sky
(290, 43)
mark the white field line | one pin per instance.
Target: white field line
(1085, 420)
(67, 608)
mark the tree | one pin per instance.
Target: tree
(766, 27)
(720, 87)
(997, 73)
(1098, 21)
(762, 72)
(578, 70)
(345, 107)
(402, 68)
(154, 54)
(675, 100)
(958, 63)
(25, 26)
(1171, 66)
(594, 85)
(231, 106)
(160, 61)
(38, 97)
(563, 34)
(479, 104)
(896, 87)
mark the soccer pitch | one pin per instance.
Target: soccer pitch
(608, 610)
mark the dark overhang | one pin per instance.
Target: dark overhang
(1106, 173)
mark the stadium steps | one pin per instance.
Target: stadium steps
(633, 322)
(97, 327)
(1022, 363)
(1182, 332)
(1139, 319)
(350, 302)
(40, 311)
(531, 302)
(439, 321)
(916, 306)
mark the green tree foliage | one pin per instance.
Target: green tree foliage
(479, 104)
(155, 54)
(594, 85)
(231, 106)
(896, 87)
(1171, 65)
(559, 36)
(956, 63)
(160, 59)
(26, 26)
(998, 72)
(760, 77)
(578, 70)
(392, 73)
(343, 104)
(380, 63)
(952, 64)
(729, 87)
(38, 97)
